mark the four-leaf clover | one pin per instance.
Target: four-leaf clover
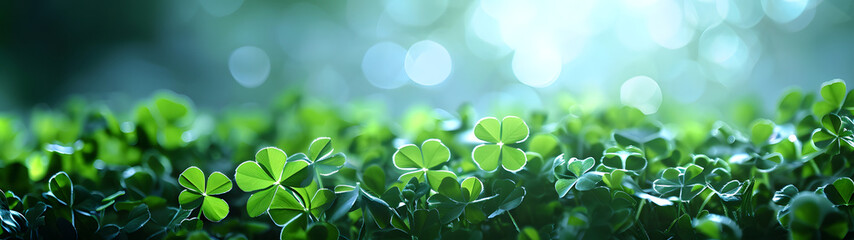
(214, 208)
(499, 135)
(834, 135)
(270, 173)
(423, 162)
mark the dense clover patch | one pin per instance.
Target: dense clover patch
(82, 172)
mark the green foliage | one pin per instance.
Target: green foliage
(500, 137)
(197, 189)
(80, 171)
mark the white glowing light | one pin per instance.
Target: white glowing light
(666, 25)
(784, 11)
(427, 63)
(221, 8)
(642, 93)
(537, 65)
(249, 65)
(745, 14)
(416, 12)
(382, 65)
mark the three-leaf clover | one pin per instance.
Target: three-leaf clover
(423, 162)
(499, 135)
(290, 206)
(833, 94)
(679, 182)
(320, 156)
(509, 196)
(455, 198)
(214, 208)
(630, 159)
(834, 134)
(270, 173)
(574, 174)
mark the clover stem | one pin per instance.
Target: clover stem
(514, 221)
(201, 223)
(319, 180)
(705, 201)
(640, 208)
(815, 167)
(723, 204)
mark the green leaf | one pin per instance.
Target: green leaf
(512, 159)
(717, 227)
(259, 202)
(813, 216)
(630, 159)
(273, 161)
(513, 130)
(760, 131)
(833, 92)
(138, 217)
(573, 174)
(322, 231)
(297, 174)
(840, 191)
(488, 129)
(250, 177)
(187, 197)
(677, 182)
(431, 154)
(474, 187)
(285, 208)
(434, 153)
(193, 179)
(579, 167)
(497, 152)
(374, 179)
(214, 209)
(785, 195)
(217, 184)
(509, 197)
(62, 189)
(487, 156)
(321, 201)
(319, 148)
(434, 177)
(408, 157)
(331, 164)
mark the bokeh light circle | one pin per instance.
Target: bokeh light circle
(221, 8)
(249, 65)
(744, 14)
(382, 65)
(537, 65)
(427, 63)
(641, 92)
(784, 11)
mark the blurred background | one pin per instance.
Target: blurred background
(656, 55)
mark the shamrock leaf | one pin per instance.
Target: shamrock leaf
(651, 140)
(321, 158)
(717, 227)
(423, 162)
(814, 217)
(630, 159)
(454, 198)
(833, 93)
(270, 173)
(290, 206)
(215, 209)
(677, 182)
(509, 197)
(498, 135)
(10, 220)
(840, 192)
(720, 181)
(574, 174)
(835, 134)
(785, 195)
